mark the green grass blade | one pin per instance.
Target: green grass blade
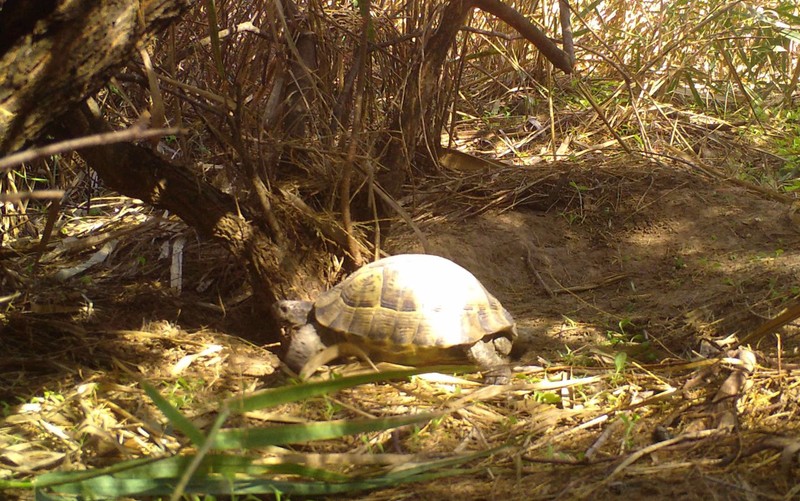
(248, 438)
(238, 475)
(62, 477)
(286, 394)
(114, 488)
(220, 474)
(174, 466)
(161, 477)
(174, 416)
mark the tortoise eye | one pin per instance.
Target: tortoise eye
(284, 309)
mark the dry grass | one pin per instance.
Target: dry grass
(573, 424)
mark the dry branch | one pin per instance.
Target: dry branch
(86, 43)
(133, 133)
(527, 29)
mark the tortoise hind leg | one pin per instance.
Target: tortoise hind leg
(491, 356)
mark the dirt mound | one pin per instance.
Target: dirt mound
(661, 252)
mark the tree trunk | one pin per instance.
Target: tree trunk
(56, 53)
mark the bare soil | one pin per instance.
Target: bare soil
(673, 256)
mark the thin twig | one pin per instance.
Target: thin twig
(31, 195)
(654, 447)
(133, 133)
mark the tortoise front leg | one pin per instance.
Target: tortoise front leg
(300, 344)
(495, 366)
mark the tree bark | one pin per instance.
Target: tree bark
(56, 53)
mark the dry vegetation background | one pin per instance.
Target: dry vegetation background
(638, 217)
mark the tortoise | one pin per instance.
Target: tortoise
(412, 309)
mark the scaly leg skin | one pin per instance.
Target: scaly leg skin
(494, 365)
(303, 343)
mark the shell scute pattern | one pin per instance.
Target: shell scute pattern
(393, 302)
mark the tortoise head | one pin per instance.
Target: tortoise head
(293, 313)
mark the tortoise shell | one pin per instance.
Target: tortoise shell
(412, 304)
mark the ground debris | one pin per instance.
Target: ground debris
(628, 294)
